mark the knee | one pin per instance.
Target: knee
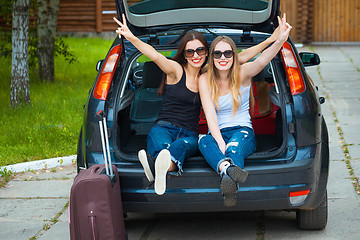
(232, 146)
(184, 143)
(204, 140)
(157, 143)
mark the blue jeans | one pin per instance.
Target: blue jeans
(240, 143)
(180, 142)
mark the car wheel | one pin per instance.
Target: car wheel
(315, 219)
(80, 156)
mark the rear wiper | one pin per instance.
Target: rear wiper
(207, 29)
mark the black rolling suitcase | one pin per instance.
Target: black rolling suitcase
(95, 199)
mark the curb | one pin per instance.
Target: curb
(40, 164)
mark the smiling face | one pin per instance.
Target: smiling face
(223, 63)
(196, 60)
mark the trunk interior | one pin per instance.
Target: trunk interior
(141, 105)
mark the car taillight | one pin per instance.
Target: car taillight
(298, 197)
(107, 73)
(293, 72)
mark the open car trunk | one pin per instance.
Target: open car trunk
(154, 16)
(140, 105)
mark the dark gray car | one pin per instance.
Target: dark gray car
(289, 169)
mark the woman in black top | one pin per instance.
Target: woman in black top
(174, 137)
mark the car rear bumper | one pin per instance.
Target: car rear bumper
(198, 189)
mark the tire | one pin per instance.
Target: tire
(315, 219)
(80, 156)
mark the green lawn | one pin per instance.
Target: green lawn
(49, 126)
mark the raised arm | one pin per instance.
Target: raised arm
(171, 68)
(247, 54)
(250, 69)
(209, 110)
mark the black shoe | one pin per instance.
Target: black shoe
(228, 188)
(237, 173)
(148, 164)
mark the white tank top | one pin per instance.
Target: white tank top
(242, 116)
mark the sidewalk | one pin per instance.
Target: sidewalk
(31, 202)
(34, 204)
(338, 79)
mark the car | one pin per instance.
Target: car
(288, 171)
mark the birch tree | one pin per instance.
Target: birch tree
(46, 30)
(20, 91)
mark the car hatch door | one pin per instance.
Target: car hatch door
(153, 16)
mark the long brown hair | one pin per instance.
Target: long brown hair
(180, 53)
(234, 76)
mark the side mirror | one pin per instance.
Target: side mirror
(309, 59)
(98, 64)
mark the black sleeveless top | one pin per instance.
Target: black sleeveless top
(181, 106)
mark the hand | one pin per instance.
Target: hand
(222, 145)
(274, 36)
(123, 30)
(284, 29)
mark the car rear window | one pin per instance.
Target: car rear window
(168, 54)
(152, 6)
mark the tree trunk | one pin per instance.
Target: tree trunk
(20, 91)
(47, 19)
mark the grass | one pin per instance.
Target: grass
(49, 126)
(5, 176)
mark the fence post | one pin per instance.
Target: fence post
(98, 16)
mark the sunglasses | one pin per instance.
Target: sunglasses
(227, 54)
(190, 52)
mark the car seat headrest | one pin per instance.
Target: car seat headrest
(152, 75)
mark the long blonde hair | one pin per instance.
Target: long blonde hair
(234, 75)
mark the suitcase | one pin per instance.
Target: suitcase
(95, 200)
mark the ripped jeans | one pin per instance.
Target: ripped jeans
(180, 142)
(240, 143)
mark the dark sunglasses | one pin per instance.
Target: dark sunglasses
(227, 54)
(190, 52)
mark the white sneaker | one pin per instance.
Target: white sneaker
(144, 160)
(162, 165)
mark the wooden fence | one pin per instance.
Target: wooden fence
(312, 20)
(323, 20)
(86, 16)
(336, 21)
(299, 14)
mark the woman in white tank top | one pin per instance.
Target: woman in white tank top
(169, 143)
(225, 96)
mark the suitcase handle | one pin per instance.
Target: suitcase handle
(113, 178)
(94, 170)
(100, 115)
